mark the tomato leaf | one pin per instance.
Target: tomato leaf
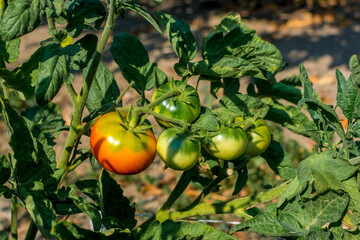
(54, 70)
(24, 77)
(5, 170)
(82, 13)
(267, 224)
(39, 206)
(180, 36)
(87, 47)
(322, 209)
(238, 47)
(104, 88)
(348, 98)
(242, 177)
(115, 207)
(180, 230)
(279, 161)
(133, 60)
(319, 163)
(352, 189)
(90, 188)
(142, 12)
(355, 70)
(9, 51)
(68, 230)
(239, 104)
(90, 210)
(21, 17)
(278, 90)
(21, 142)
(295, 120)
(207, 120)
(48, 118)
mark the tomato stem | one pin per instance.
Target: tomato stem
(124, 92)
(14, 217)
(76, 128)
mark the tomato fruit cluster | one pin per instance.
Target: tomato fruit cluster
(124, 150)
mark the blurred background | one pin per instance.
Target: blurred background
(322, 34)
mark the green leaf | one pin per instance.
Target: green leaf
(90, 210)
(180, 230)
(352, 189)
(53, 72)
(233, 37)
(22, 144)
(279, 161)
(320, 164)
(355, 71)
(207, 120)
(5, 170)
(104, 88)
(348, 98)
(133, 60)
(87, 46)
(68, 230)
(294, 189)
(20, 18)
(242, 177)
(293, 80)
(143, 13)
(278, 90)
(90, 188)
(5, 191)
(48, 118)
(24, 77)
(9, 51)
(115, 207)
(38, 206)
(2, 8)
(58, 6)
(239, 104)
(3, 234)
(322, 209)
(82, 13)
(227, 66)
(292, 118)
(180, 36)
(267, 224)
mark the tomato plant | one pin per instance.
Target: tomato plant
(177, 150)
(316, 198)
(229, 144)
(185, 106)
(121, 150)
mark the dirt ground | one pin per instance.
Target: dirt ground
(322, 40)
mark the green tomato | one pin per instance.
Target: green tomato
(260, 138)
(229, 144)
(178, 151)
(185, 106)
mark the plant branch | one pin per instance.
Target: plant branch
(72, 93)
(76, 129)
(14, 218)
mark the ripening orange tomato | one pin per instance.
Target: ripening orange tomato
(120, 150)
